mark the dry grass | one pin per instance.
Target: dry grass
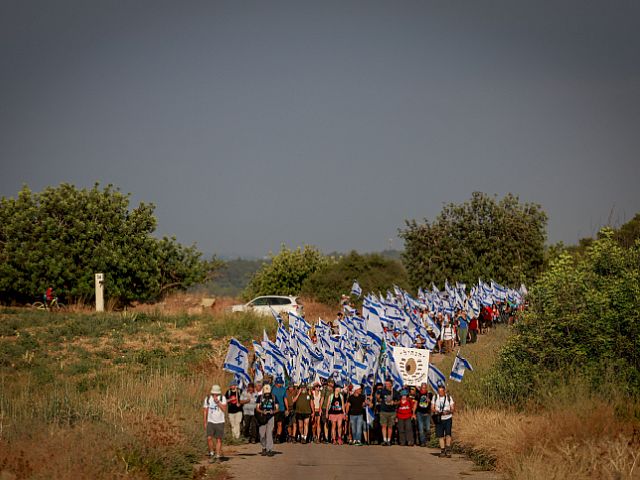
(314, 310)
(585, 441)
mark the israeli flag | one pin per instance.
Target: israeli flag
(355, 289)
(435, 377)
(459, 366)
(237, 360)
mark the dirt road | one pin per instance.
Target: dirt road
(325, 462)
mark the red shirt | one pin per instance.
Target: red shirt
(405, 409)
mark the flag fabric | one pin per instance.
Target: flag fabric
(459, 366)
(435, 377)
(237, 360)
(306, 351)
(355, 289)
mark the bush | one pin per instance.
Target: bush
(584, 317)
(373, 272)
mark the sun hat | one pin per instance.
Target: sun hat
(216, 390)
(266, 388)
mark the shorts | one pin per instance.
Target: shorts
(215, 430)
(291, 420)
(279, 417)
(302, 416)
(336, 417)
(443, 427)
(387, 419)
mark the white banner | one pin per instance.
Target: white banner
(412, 364)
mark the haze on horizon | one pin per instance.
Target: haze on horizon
(251, 124)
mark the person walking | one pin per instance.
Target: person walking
(404, 414)
(266, 407)
(443, 407)
(316, 404)
(335, 413)
(234, 409)
(249, 427)
(387, 400)
(280, 392)
(447, 334)
(423, 414)
(304, 410)
(355, 410)
(463, 328)
(214, 408)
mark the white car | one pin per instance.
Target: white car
(263, 305)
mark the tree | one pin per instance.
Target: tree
(481, 238)
(62, 236)
(373, 272)
(286, 272)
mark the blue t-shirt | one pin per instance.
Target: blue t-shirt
(279, 393)
(462, 322)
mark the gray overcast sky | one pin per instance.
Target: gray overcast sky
(252, 123)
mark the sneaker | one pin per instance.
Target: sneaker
(442, 453)
(263, 452)
(270, 453)
(448, 453)
(210, 454)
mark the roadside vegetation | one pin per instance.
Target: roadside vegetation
(111, 395)
(560, 398)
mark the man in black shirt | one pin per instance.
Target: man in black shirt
(355, 409)
(423, 413)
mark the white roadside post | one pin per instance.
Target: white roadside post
(99, 292)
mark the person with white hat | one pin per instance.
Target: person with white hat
(266, 407)
(214, 408)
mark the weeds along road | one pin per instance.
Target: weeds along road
(326, 462)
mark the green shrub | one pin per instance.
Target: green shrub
(584, 317)
(373, 272)
(286, 272)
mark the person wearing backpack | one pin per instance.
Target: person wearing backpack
(214, 408)
(443, 407)
(266, 407)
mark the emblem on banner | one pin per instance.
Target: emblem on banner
(412, 364)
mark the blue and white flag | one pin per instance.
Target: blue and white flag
(435, 377)
(237, 360)
(459, 366)
(355, 289)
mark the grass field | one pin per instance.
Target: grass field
(109, 395)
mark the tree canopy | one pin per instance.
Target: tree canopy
(62, 236)
(374, 273)
(286, 272)
(480, 238)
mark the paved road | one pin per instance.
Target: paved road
(326, 462)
